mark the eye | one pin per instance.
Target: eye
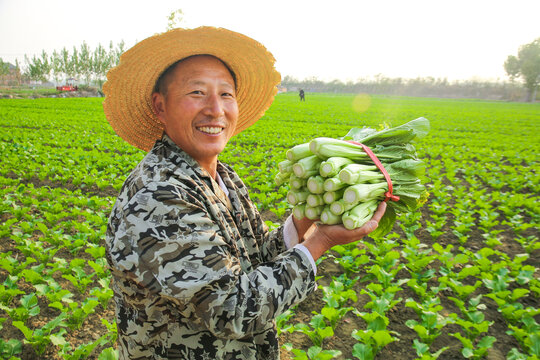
(197, 92)
(227, 94)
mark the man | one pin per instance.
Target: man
(196, 273)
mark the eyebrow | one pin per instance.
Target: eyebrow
(201, 82)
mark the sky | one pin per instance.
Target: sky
(345, 40)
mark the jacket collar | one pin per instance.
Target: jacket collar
(176, 155)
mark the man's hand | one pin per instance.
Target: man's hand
(302, 226)
(324, 237)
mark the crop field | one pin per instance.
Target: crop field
(459, 278)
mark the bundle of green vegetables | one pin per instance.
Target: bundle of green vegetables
(335, 181)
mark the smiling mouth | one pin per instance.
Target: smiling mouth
(213, 130)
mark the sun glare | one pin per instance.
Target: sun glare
(361, 102)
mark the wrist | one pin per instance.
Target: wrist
(317, 244)
(302, 226)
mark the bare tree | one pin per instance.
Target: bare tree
(57, 66)
(18, 73)
(4, 67)
(85, 62)
(101, 63)
(117, 52)
(37, 68)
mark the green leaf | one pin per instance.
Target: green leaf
(97, 252)
(326, 332)
(518, 293)
(313, 351)
(377, 324)
(514, 354)
(108, 354)
(467, 352)
(421, 331)
(56, 322)
(287, 346)
(476, 316)
(486, 342)
(375, 287)
(382, 338)
(363, 352)
(28, 334)
(43, 228)
(327, 354)
(58, 339)
(299, 354)
(29, 300)
(329, 312)
(58, 305)
(317, 321)
(420, 347)
(411, 323)
(466, 342)
(10, 348)
(32, 276)
(461, 259)
(535, 343)
(439, 352)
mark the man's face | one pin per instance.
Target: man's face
(199, 111)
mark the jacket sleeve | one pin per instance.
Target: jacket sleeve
(170, 245)
(272, 243)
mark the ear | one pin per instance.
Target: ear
(158, 104)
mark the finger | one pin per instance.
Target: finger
(369, 226)
(362, 231)
(373, 223)
(377, 216)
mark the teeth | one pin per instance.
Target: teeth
(210, 130)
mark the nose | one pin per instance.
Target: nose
(214, 106)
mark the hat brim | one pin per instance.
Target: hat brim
(129, 87)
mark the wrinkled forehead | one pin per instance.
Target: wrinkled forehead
(165, 76)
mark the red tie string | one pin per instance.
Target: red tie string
(387, 195)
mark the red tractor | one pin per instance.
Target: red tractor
(68, 87)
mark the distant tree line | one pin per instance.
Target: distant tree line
(91, 65)
(524, 66)
(423, 87)
(83, 63)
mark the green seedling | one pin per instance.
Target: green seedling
(41, 337)
(317, 330)
(374, 338)
(474, 351)
(422, 350)
(29, 307)
(313, 353)
(282, 322)
(335, 295)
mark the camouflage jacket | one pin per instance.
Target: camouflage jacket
(194, 275)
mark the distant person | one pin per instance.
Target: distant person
(196, 272)
(302, 95)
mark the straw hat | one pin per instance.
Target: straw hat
(129, 87)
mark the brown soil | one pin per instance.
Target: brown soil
(403, 348)
(92, 328)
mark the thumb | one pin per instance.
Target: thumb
(370, 226)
